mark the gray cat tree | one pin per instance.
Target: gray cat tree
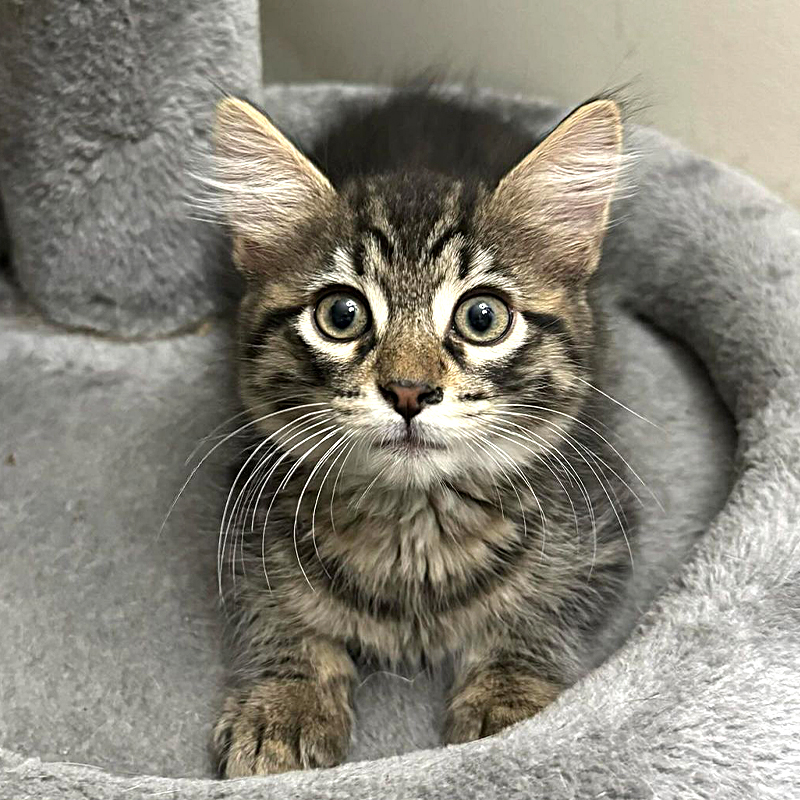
(113, 365)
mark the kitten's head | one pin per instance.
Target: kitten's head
(439, 325)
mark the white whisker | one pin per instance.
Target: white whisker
(332, 432)
(596, 433)
(231, 519)
(620, 404)
(320, 463)
(250, 410)
(483, 440)
(345, 440)
(611, 503)
(336, 482)
(219, 444)
(546, 465)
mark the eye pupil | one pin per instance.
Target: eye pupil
(481, 317)
(343, 312)
(342, 316)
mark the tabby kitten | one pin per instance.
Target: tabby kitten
(418, 355)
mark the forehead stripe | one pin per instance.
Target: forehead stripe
(358, 257)
(436, 248)
(384, 245)
(464, 262)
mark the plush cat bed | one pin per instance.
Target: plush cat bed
(111, 654)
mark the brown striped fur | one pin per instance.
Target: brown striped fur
(490, 530)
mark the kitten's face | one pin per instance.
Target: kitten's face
(432, 326)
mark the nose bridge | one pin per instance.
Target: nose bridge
(409, 353)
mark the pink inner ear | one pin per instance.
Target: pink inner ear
(263, 185)
(569, 179)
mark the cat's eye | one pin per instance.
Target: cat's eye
(482, 319)
(342, 315)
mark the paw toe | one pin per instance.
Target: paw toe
(278, 729)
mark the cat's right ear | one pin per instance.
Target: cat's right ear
(267, 188)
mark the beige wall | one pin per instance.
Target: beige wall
(720, 75)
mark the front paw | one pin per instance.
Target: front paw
(493, 699)
(281, 725)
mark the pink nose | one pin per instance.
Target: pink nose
(409, 398)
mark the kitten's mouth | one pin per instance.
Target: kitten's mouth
(409, 441)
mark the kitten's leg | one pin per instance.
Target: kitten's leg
(492, 691)
(296, 715)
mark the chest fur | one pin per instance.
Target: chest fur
(415, 576)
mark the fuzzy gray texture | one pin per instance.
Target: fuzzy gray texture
(102, 103)
(110, 644)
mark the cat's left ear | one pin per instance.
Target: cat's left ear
(558, 197)
(268, 189)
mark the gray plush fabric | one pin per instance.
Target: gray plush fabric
(101, 104)
(110, 644)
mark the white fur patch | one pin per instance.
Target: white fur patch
(378, 305)
(444, 304)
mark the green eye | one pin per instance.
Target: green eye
(482, 319)
(342, 315)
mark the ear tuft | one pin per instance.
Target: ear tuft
(559, 195)
(264, 188)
